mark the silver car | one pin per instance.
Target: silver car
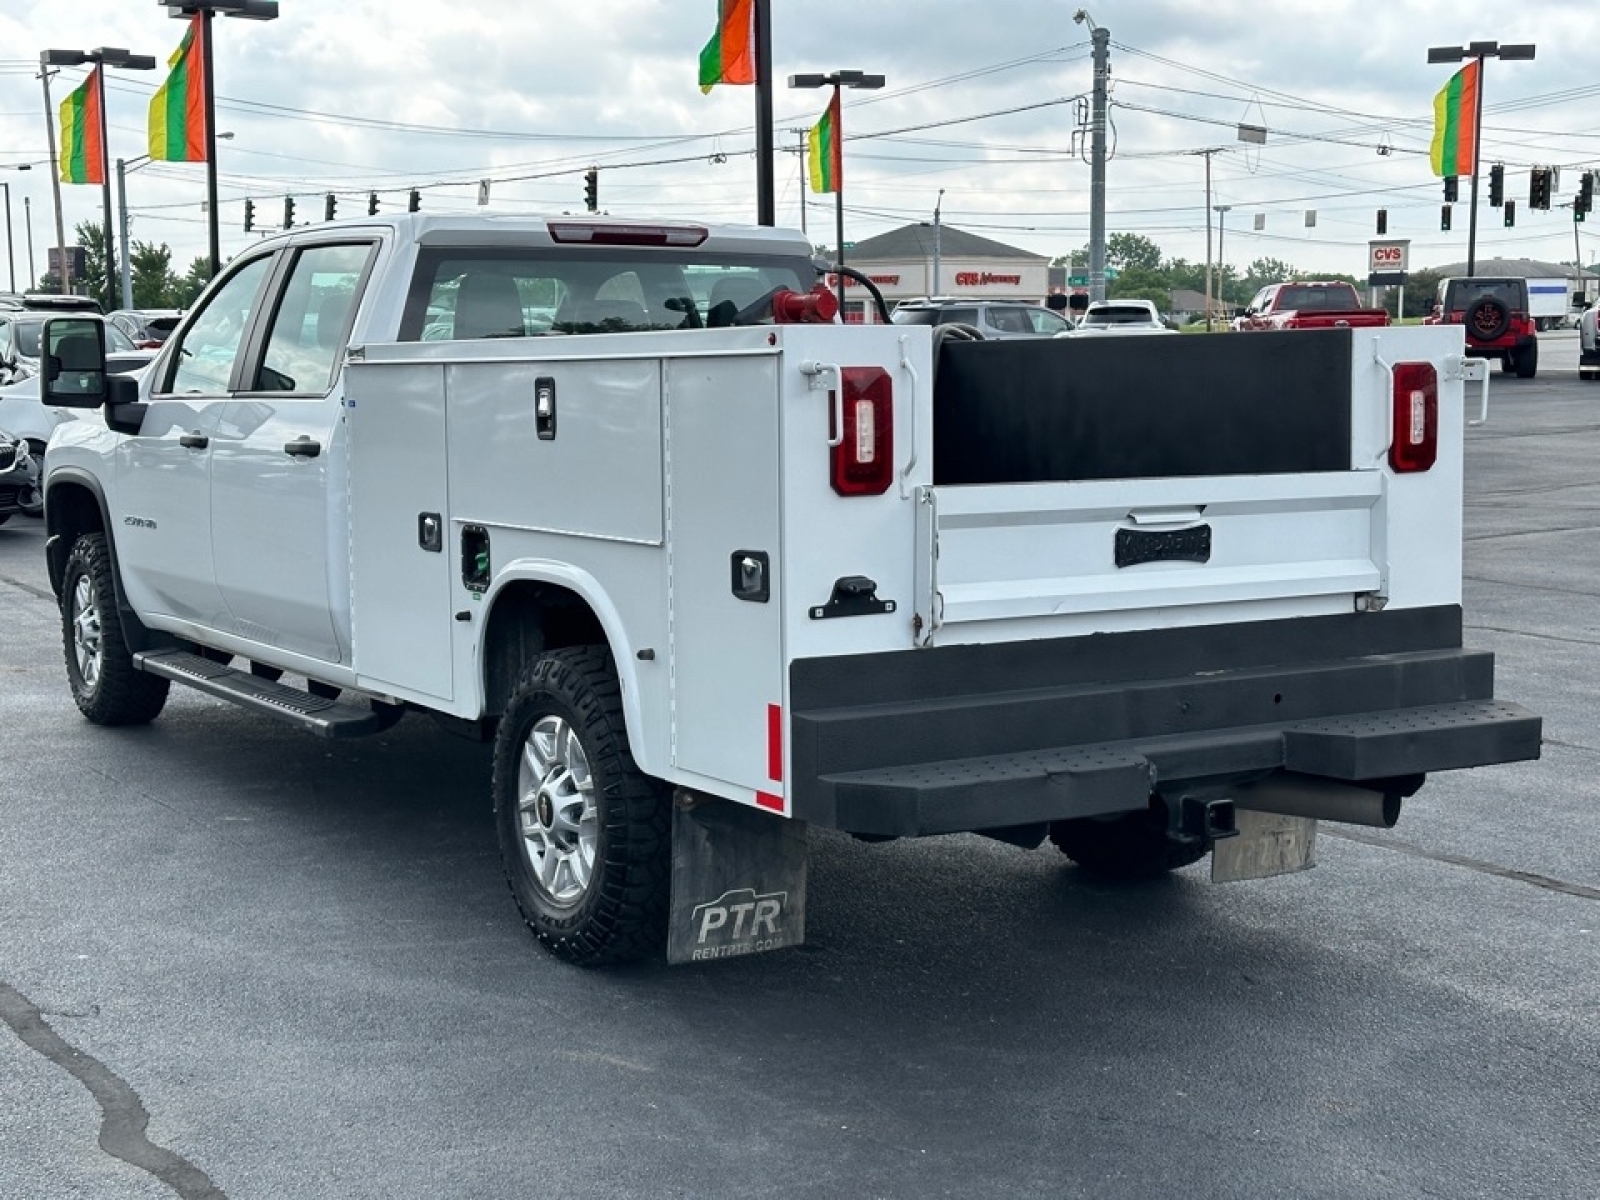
(994, 319)
(1589, 343)
(19, 479)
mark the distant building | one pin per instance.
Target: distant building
(901, 264)
(1582, 285)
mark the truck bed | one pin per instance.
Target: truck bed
(1081, 409)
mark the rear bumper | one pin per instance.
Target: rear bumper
(981, 737)
(1500, 346)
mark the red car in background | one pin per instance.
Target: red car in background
(1495, 314)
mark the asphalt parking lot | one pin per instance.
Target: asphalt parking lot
(298, 963)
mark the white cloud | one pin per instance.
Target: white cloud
(612, 82)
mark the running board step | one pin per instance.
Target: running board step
(324, 717)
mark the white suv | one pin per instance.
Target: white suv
(993, 318)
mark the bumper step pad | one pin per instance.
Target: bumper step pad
(318, 714)
(1111, 777)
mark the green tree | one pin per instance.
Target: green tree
(1126, 251)
(154, 284)
(192, 284)
(91, 236)
(1268, 270)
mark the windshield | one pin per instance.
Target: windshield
(1463, 292)
(1119, 314)
(458, 294)
(1333, 296)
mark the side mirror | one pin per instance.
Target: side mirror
(73, 365)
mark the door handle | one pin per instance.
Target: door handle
(194, 441)
(303, 447)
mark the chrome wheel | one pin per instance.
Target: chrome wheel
(88, 647)
(556, 810)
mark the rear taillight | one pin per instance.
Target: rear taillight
(1415, 442)
(862, 464)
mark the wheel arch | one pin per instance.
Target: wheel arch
(547, 606)
(75, 504)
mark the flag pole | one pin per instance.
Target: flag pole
(212, 215)
(105, 195)
(765, 207)
(1477, 136)
(63, 270)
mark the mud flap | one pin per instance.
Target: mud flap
(1268, 844)
(738, 880)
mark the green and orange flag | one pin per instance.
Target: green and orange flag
(178, 109)
(83, 154)
(824, 161)
(730, 55)
(1455, 120)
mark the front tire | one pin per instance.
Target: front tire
(585, 836)
(106, 686)
(1133, 845)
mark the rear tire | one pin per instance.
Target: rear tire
(106, 686)
(1528, 361)
(585, 836)
(1133, 845)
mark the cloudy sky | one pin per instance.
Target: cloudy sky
(982, 101)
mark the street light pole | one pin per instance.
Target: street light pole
(102, 57)
(122, 228)
(63, 269)
(11, 257)
(27, 223)
(251, 10)
(1478, 51)
(837, 80)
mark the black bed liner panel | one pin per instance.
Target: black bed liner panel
(1057, 409)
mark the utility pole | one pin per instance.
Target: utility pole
(122, 230)
(936, 205)
(63, 270)
(1207, 155)
(1100, 41)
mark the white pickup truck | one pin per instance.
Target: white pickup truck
(707, 566)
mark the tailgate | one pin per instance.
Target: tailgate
(1073, 555)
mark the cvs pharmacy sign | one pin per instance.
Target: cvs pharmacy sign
(1387, 256)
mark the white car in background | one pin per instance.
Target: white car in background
(1118, 316)
(1589, 343)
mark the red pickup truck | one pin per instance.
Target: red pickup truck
(1308, 304)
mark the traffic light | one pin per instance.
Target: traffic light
(372, 204)
(288, 212)
(414, 201)
(591, 190)
(1584, 200)
(330, 206)
(1511, 213)
(1383, 221)
(1539, 188)
(249, 215)
(1497, 186)
(1451, 189)
(1444, 218)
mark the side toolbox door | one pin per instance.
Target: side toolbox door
(726, 598)
(163, 473)
(277, 477)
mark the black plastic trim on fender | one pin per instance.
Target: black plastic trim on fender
(135, 634)
(962, 738)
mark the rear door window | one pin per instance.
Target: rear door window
(313, 318)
